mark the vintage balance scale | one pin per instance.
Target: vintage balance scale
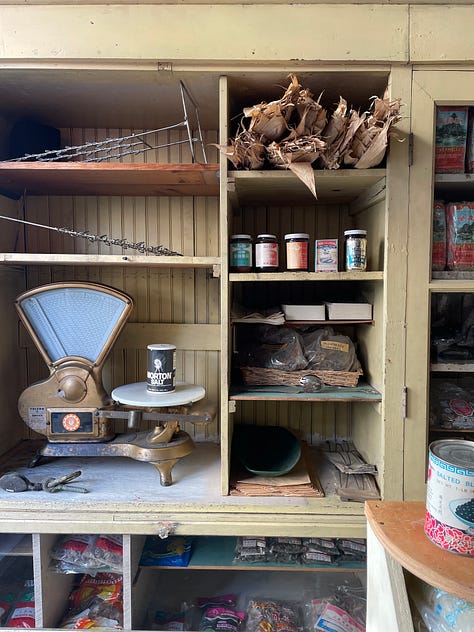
(74, 326)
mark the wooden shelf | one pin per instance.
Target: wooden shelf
(217, 553)
(298, 323)
(89, 178)
(328, 321)
(108, 260)
(15, 545)
(399, 527)
(456, 431)
(454, 186)
(361, 393)
(125, 497)
(452, 367)
(282, 187)
(305, 276)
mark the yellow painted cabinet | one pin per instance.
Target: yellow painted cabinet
(439, 298)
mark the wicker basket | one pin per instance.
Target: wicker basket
(257, 376)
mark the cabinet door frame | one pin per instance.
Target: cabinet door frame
(430, 89)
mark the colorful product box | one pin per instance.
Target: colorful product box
(326, 255)
(451, 134)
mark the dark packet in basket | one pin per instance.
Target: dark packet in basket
(172, 551)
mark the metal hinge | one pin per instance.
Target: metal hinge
(410, 149)
(404, 402)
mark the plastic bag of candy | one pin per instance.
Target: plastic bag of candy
(171, 551)
(96, 603)
(285, 550)
(88, 554)
(22, 615)
(214, 613)
(273, 615)
(250, 550)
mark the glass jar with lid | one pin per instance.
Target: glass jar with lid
(266, 253)
(297, 251)
(356, 249)
(240, 253)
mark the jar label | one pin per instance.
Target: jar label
(266, 255)
(356, 254)
(241, 255)
(297, 255)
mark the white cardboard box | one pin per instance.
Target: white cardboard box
(349, 311)
(304, 312)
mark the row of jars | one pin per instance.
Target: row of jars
(297, 251)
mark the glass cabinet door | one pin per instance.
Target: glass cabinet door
(440, 296)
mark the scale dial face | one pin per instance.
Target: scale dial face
(71, 422)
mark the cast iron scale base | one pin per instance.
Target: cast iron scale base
(163, 446)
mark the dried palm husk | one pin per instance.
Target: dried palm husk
(270, 120)
(370, 141)
(298, 156)
(313, 117)
(245, 151)
(334, 134)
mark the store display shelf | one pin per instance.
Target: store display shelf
(452, 367)
(218, 552)
(456, 431)
(148, 261)
(125, 497)
(15, 545)
(99, 178)
(306, 276)
(399, 528)
(281, 187)
(454, 186)
(363, 392)
(298, 323)
(452, 283)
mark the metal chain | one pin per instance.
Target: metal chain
(108, 241)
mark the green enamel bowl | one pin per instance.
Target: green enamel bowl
(266, 450)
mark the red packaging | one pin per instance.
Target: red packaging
(438, 251)
(460, 235)
(470, 142)
(451, 134)
(23, 615)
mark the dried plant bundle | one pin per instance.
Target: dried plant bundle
(295, 132)
(298, 156)
(270, 120)
(370, 140)
(246, 151)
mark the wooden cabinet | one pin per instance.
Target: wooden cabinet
(273, 201)
(425, 288)
(398, 545)
(193, 208)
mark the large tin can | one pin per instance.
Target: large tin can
(449, 517)
(161, 368)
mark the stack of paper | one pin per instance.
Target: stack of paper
(349, 311)
(301, 481)
(272, 316)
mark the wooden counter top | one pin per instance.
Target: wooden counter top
(399, 527)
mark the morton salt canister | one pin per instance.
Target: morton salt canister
(161, 368)
(449, 517)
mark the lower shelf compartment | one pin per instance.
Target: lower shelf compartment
(183, 589)
(125, 496)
